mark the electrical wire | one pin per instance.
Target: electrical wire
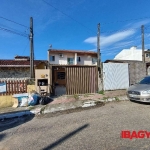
(25, 48)
(68, 16)
(7, 30)
(125, 20)
(14, 22)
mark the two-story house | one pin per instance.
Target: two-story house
(72, 57)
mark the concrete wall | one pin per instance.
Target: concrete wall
(14, 72)
(8, 100)
(137, 70)
(85, 59)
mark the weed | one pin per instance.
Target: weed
(86, 95)
(101, 92)
(117, 99)
(42, 109)
(105, 98)
(76, 97)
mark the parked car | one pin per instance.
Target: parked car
(140, 91)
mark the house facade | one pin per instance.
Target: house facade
(71, 57)
(19, 67)
(133, 54)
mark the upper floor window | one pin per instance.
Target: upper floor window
(78, 59)
(70, 61)
(52, 58)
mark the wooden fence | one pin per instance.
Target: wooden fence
(81, 79)
(14, 87)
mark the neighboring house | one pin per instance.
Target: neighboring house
(72, 57)
(19, 67)
(133, 54)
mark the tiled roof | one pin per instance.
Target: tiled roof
(19, 63)
(72, 51)
(22, 57)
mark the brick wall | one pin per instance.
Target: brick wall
(14, 72)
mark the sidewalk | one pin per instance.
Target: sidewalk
(65, 102)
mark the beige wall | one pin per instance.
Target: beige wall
(6, 101)
(42, 74)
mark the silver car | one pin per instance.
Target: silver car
(140, 91)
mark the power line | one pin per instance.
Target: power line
(124, 20)
(14, 22)
(7, 30)
(87, 27)
(67, 15)
(25, 48)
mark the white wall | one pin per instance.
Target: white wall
(130, 54)
(85, 60)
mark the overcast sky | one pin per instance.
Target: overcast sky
(72, 25)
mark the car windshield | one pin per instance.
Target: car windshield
(145, 80)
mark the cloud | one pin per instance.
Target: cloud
(111, 39)
(138, 24)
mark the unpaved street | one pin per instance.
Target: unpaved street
(93, 129)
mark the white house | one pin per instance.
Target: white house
(132, 54)
(72, 57)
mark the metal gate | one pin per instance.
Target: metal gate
(81, 79)
(115, 76)
(71, 80)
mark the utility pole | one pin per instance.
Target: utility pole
(98, 47)
(99, 64)
(31, 50)
(143, 54)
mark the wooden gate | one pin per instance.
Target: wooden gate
(14, 87)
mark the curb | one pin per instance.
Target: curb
(80, 104)
(15, 114)
(61, 107)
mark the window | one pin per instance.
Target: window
(94, 60)
(148, 55)
(70, 61)
(52, 58)
(78, 59)
(60, 75)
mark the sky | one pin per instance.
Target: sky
(72, 25)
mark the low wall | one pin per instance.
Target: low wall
(8, 101)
